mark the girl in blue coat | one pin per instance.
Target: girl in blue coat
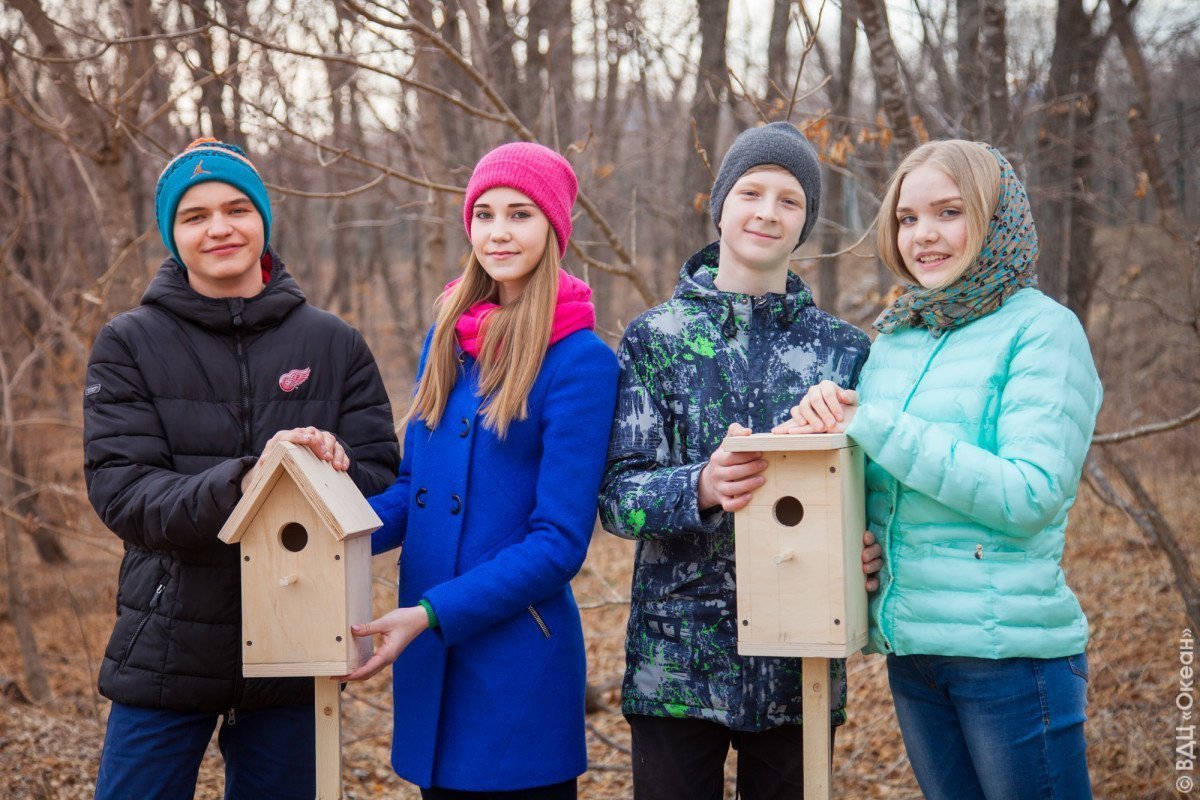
(976, 408)
(504, 446)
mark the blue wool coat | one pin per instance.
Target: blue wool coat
(493, 531)
(976, 441)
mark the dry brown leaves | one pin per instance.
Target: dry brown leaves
(51, 751)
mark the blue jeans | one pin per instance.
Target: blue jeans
(155, 754)
(994, 729)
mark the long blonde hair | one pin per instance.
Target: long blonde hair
(515, 339)
(976, 173)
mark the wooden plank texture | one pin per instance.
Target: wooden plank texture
(854, 521)
(815, 708)
(764, 442)
(328, 709)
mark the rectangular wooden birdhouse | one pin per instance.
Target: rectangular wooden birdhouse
(304, 530)
(798, 545)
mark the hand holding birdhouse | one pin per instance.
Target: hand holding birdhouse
(730, 477)
(397, 629)
(323, 444)
(825, 408)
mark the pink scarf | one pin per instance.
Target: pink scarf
(573, 311)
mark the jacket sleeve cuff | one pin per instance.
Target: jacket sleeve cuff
(429, 612)
(870, 428)
(691, 516)
(229, 490)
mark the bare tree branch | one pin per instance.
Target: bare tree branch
(1152, 522)
(358, 64)
(845, 250)
(1147, 430)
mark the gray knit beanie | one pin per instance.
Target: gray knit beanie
(781, 144)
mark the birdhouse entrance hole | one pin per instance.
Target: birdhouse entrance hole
(294, 537)
(788, 511)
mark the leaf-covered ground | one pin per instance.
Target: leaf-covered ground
(51, 750)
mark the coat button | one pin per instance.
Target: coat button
(455, 504)
(421, 497)
(466, 427)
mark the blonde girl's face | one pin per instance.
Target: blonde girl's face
(931, 226)
(508, 236)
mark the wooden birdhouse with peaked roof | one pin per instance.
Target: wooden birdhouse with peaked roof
(306, 567)
(800, 586)
(798, 545)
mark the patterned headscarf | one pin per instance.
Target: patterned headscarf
(1007, 262)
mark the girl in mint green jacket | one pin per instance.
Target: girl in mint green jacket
(975, 409)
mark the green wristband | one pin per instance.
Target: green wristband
(429, 612)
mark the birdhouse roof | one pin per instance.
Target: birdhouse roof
(763, 442)
(331, 494)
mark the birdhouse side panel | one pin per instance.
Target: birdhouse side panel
(293, 590)
(358, 596)
(854, 519)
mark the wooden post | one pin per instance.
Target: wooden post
(329, 738)
(800, 587)
(815, 707)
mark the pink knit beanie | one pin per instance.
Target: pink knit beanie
(538, 172)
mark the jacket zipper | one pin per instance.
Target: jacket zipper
(235, 308)
(541, 623)
(886, 591)
(145, 618)
(244, 371)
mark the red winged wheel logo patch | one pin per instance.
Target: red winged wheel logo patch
(289, 381)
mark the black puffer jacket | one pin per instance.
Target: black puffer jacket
(181, 395)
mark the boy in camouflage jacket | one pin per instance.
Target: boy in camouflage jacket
(735, 346)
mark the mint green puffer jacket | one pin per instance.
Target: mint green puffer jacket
(975, 443)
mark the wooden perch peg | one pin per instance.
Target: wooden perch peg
(786, 555)
(288, 580)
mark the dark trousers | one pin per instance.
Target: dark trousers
(684, 759)
(555, 791)
(155, 754)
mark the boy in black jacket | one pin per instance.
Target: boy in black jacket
(222, 359)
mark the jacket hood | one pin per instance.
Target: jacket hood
(697, 282)
(170, 289)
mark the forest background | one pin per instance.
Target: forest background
(365, 119)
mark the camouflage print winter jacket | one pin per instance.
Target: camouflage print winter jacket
(689, 368)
